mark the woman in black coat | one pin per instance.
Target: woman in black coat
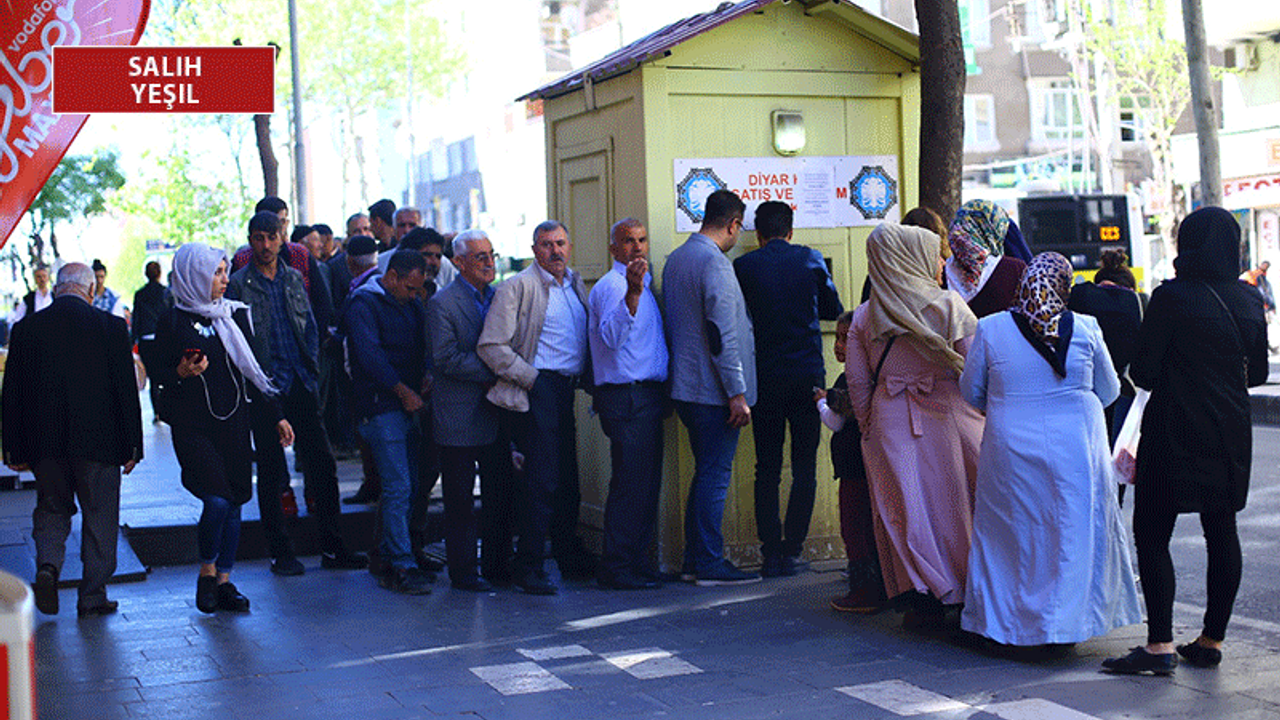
(207, 377)
(1202, 344)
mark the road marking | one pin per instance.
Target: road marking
(558, 652)
(902, 698)
(1034, 709)
(650, 663)
(519, 678)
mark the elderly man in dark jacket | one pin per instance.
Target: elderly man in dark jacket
(71, 415)
(387, 347)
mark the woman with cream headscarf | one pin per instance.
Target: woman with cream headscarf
(919, 437)
(988, 256)
(1049, 564)
(207, 375)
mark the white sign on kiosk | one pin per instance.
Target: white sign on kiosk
(825, 192)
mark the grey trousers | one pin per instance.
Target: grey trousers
(59, 483)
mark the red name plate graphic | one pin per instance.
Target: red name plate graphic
(164, 80)
(32, 138)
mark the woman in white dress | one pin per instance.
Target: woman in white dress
(1048, 564)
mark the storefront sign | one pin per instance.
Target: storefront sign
(1270, 183)
(825, 192)
(1273, 152)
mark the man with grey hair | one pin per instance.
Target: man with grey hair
(406, 219)
(71, 415)
(467, 427)
(535, 342)
(629, 356)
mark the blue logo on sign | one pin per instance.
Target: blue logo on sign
(692, 191)
(873, 192)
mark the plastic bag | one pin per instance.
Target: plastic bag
(1125, 453)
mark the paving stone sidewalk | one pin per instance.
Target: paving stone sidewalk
(333, 645)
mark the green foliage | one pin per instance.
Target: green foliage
(1149, 64)
(182, 202)
(78, 188)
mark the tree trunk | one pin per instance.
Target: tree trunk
(942, 81)
(1202, 103)
(270, 166)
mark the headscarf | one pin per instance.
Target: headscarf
(1040, 307)
(905, 297)
(983, 229)
(1208, 246)
(193, 267)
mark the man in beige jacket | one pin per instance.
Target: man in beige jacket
(535, 341)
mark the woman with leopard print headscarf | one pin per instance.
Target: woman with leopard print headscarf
(1048, 564)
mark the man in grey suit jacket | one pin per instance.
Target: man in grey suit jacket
(713, 377)
(466, 424)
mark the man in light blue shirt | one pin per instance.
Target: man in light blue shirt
(629, 355)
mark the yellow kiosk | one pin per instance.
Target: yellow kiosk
(814, 103)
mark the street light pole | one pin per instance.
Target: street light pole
(299, 148)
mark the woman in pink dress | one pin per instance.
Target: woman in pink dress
(920, 438)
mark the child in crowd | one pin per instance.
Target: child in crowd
(866, 587)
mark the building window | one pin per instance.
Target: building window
(1055, 115)
(980, 123)
(975, 18)
(1133, 128)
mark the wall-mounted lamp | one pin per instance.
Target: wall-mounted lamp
(788, 132)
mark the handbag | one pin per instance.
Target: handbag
(1124, 456)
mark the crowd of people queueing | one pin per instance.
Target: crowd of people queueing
(972, 423)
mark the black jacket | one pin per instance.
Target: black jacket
(1197, 431)
(69, 387)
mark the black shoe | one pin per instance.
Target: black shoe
(1139, 661)
(106, 607)
(410, 581)
(343, 560)
(475, 583)
(577, 564)
(536, 583)
(778, 566)
(287, 566)
(207, 593)
(627, 580)
(229, 598)
(725, 574)
(426, 562)
(46, 589)
(366, 495)
(1200, 656)
(500, 578)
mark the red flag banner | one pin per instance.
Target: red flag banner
(32, 138)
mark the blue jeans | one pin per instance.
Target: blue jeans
(218, 534)
(714, 444)
(395, 451)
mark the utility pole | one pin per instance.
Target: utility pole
(1202, 103)
(299, 148)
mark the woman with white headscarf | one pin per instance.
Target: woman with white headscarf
(1049, 564)
(919, 437)
(207, 376)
